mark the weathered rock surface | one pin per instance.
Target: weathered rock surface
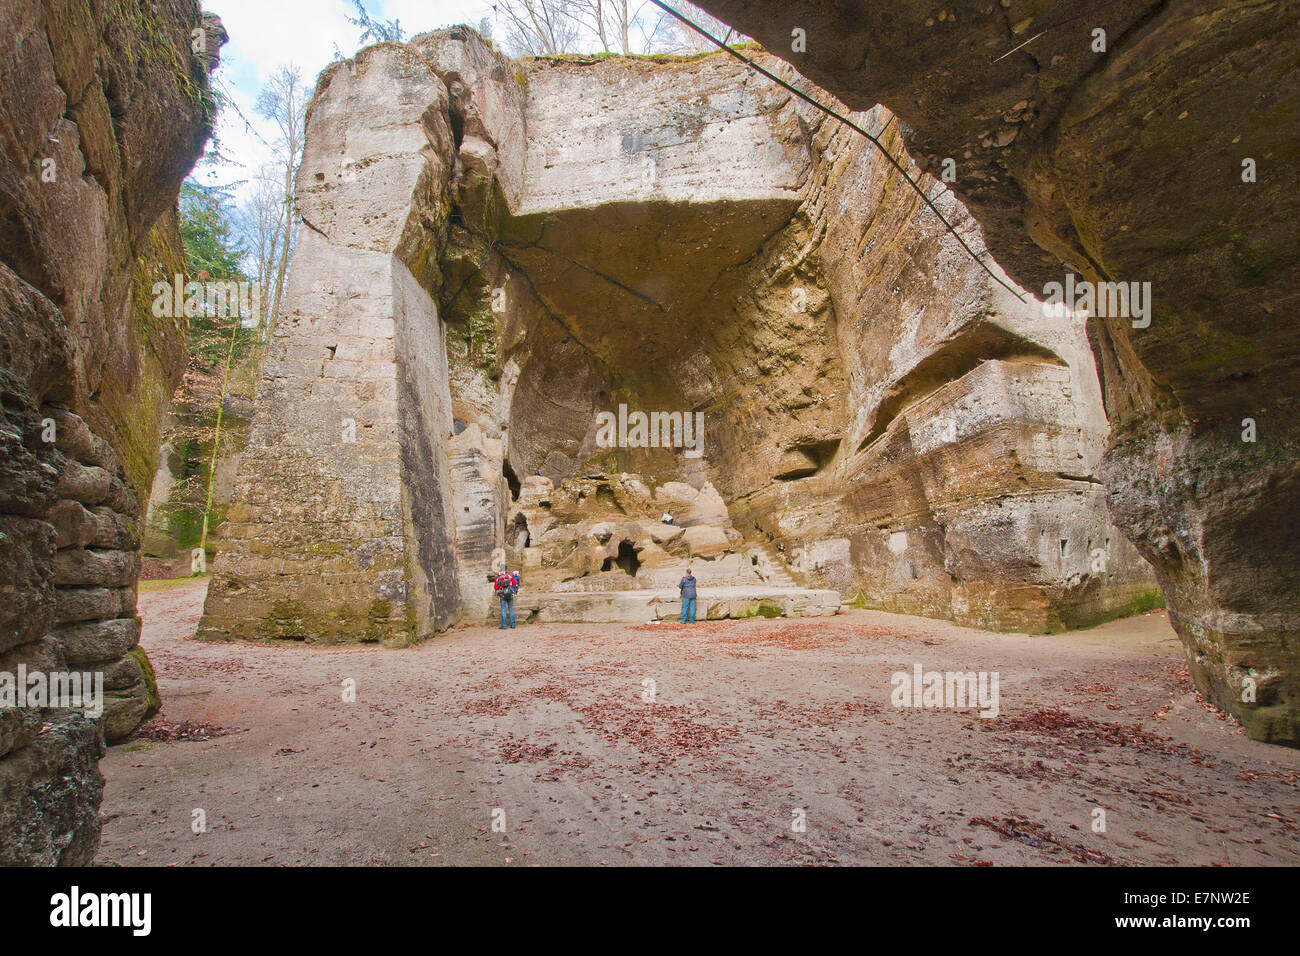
(480, 496)
(1127, 161)
(603, 535)
(50, 790)
(500, 251)
(103, 110)
(341, 527)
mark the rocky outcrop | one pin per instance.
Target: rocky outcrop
(949, 469)
(596, 549)
(414, 198)
(1135, 141)
(341, 525)
(103, 110)
(604, 533)
(503, 254)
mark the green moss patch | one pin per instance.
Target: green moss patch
(166, 584)
(153, 700)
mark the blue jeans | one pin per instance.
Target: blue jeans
(507, 601)
(688, 605)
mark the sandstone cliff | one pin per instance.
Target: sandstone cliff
(499, 251)
(1132, 141)
(103, 110)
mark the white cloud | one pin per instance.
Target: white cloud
(267, 33)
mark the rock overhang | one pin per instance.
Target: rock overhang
(672, 235)
(635, 129)
(635, 279)
(644, 183)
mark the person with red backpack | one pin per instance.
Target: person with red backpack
(506, 586)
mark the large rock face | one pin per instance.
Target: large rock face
(925, 441)
(1160, 150)
(341, 525)
(103, 110)
(500, 252)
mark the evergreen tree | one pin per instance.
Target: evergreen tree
(212, 255)
(378, 31)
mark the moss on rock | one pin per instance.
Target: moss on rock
(153, 700)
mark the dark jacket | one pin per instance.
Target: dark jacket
(687, 587)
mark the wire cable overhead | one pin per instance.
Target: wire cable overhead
(851, 125)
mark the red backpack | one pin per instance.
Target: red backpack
(506, 582)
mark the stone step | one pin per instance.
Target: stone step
(776, 572)
(636, 607)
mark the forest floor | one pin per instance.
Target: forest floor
(727, 742)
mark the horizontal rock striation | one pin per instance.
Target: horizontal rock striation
(1132, 141)
(500, 252)
(103, 110)
(943, 462)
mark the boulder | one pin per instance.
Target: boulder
(706, 541)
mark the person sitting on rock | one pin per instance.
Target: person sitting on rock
(506, 586)
(667, 518)
(687, 587)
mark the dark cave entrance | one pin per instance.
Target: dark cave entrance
(519, 534)
(626, 560)
(512, 480)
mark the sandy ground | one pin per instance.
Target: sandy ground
(536, 746)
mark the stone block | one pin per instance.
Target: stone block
(97, 640)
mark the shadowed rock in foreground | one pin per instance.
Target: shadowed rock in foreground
(103, 111)
(1160, 150)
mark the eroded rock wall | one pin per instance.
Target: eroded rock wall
(341, 526)
(417, 153)
(675, 235)
(1126, 160)
(943, 460)
(103, 110)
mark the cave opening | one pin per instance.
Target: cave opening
(519, 533)
(626, 560)
(512, 480)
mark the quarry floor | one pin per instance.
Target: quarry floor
(535, 747)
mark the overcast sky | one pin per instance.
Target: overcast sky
(267, 33)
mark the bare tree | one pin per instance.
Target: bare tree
(551, 27)
(261, 221)
(283, 100)
(540, 27)
(671, 35)
(613, 21)
(625, 16)
(591, 14)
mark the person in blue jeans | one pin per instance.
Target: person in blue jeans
(506, 586)
(687, 587)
